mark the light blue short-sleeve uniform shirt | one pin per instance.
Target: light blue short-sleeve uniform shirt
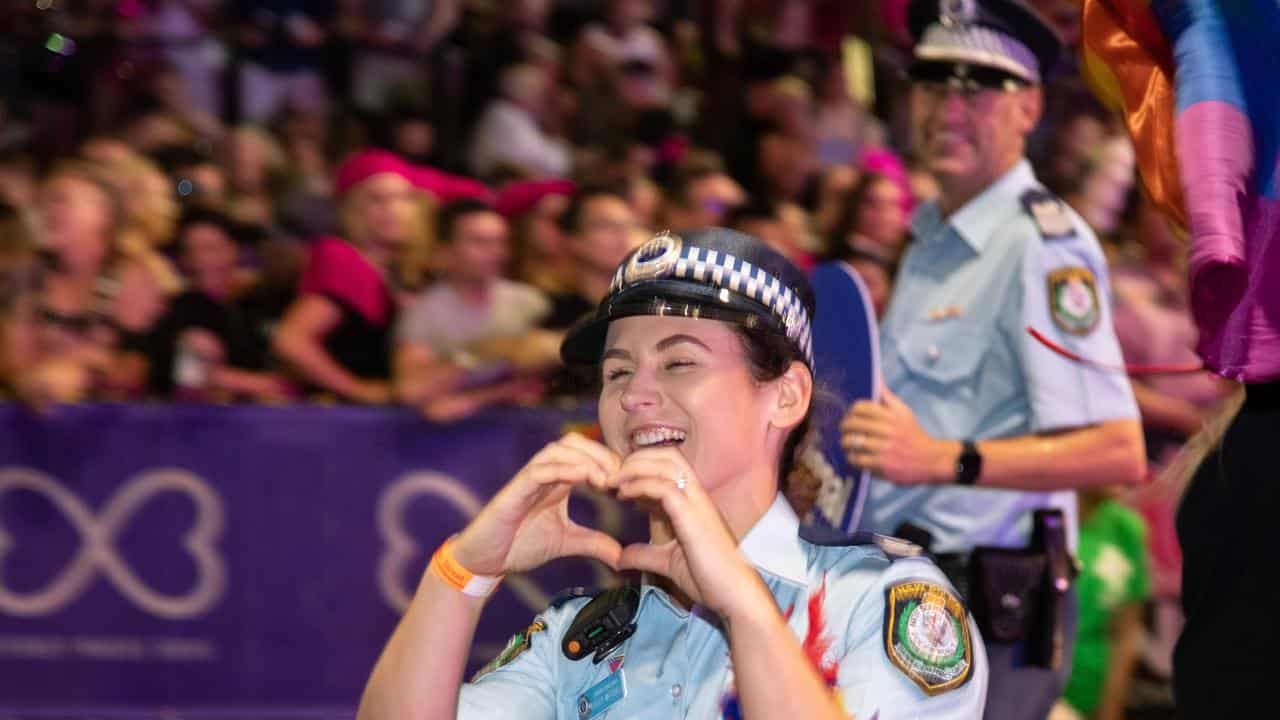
(838, 600)
(955, 348)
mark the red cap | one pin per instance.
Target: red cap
(363, 165)
(517, 198)
(446, 187)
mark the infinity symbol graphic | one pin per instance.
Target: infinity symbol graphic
(97, 551)
(401, 548)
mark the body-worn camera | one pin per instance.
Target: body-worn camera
(602, 624)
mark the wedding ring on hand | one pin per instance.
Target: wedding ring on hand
(682, 481)
(856, 441)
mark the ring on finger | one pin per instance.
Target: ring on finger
(682, 481)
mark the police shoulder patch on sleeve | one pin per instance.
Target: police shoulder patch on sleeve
(516, 646)
(926, 635)
(1073, 299)
(1049, 214)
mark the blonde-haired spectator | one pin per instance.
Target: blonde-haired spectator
(150, 217)
(254, 161)
(17, 280)
(80, 331)
(337, 334)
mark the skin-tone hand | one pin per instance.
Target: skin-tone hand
(53, 381)
(885, 438)
(702, 556)
(527, 523)
(452, 408)
(203, 343)
(373, 392)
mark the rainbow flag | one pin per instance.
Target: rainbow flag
(1195, 81)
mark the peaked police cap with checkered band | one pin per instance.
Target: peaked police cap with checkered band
(717, 274)
(1004, 35)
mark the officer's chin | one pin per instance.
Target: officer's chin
(952, 165)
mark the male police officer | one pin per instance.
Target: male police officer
(981, 424)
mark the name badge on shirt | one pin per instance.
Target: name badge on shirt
(602, 696)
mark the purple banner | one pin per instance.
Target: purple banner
(162, 561)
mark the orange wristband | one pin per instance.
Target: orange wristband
(447, 568)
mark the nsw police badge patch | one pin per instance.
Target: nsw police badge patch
(1073, 300)
(926, 635)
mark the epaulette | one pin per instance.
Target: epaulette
(572, 593)
(1048, 213)
(894, 547)
(825, 535)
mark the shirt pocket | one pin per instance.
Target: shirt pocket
(946, 353)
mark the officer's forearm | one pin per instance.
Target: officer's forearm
(419, 673)
(1109, 453)
(773, 676)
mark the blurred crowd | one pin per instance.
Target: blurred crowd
(409, 201)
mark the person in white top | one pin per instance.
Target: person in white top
(509, 134)
(615, 49)
(471, 339)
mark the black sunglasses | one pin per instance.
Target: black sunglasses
(967, 80)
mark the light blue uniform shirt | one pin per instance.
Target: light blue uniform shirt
(954, 347)
(677, 663)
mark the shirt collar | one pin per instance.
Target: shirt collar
(978, 219)
(773, 544)
(926, 222)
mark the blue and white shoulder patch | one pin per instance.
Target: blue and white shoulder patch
(1049, 214)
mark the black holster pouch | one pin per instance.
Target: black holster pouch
(1017, 594)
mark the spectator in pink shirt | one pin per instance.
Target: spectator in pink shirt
(337, 334)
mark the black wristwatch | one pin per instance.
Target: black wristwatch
(969, 464)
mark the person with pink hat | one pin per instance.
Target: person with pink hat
(540, 250)
(337, 334)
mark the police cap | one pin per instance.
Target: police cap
(1001, 35)
(717, 274)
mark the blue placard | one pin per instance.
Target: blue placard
(846, 348)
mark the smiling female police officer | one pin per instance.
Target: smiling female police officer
(706, 370)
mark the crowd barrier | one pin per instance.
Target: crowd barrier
(242, 562)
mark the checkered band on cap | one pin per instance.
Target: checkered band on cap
(978, 45)
(666, 257)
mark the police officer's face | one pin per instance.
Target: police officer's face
(684, 382)
(971, 138)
